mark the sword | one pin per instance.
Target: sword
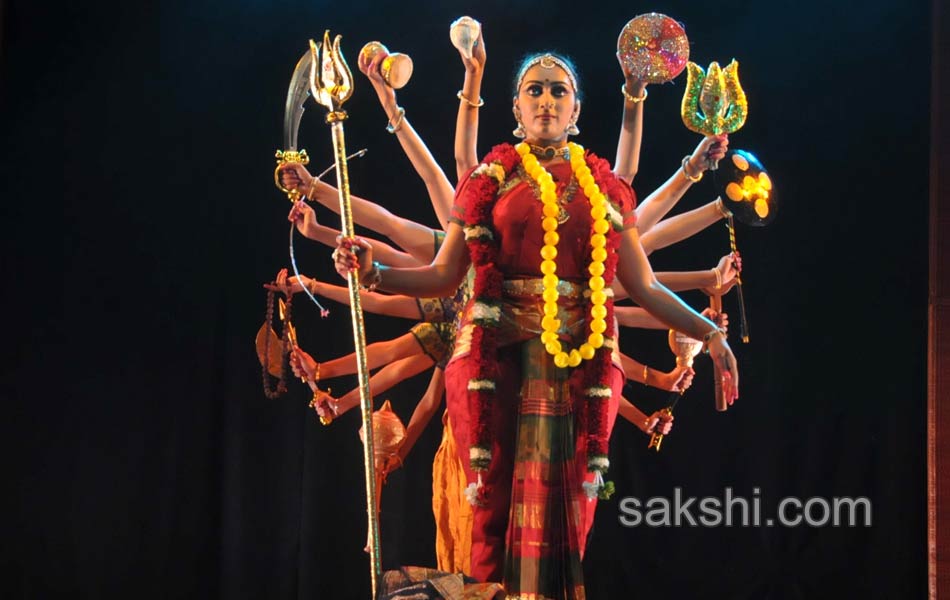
(297, 95)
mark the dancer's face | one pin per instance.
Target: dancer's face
(547, 103)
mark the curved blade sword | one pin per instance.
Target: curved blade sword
(297, 95)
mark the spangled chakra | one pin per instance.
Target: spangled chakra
(653, 47)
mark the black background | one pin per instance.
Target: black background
(140, 219)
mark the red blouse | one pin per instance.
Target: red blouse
(517, 220)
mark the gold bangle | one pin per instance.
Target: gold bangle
(313, 184)
(481, 101)
(634, 99)
(394, 127)
(686, 172)
(715, 270)
(646, 374)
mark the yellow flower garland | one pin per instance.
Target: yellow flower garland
(598, 297)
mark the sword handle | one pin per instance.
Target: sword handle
(656, 439)
(285, 157)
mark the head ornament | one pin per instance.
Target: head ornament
(548, 61)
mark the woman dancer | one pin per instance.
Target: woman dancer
(532, 414)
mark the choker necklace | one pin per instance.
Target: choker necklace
(550, 152)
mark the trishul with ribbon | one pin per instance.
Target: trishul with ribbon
(331, 83)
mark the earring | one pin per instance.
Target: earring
(519, 131)
(572, 128)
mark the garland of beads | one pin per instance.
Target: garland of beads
(274, 393)
(478, 196)
(598, 210)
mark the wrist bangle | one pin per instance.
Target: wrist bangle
(376, 276)
(313, 184)
(725, 212)
(718, 277)
(634, 99)
(709, 336)
(481, 101)
(686, 171)
(392, 127)
(646, 374)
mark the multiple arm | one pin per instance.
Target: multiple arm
(661, 421)
(305, 218)
(441, 278)
(424, 411)
(380, 304)
(636, 276)
(466, 123)
(631, 128)
(677, 228)
(657, 204)
(437, 184)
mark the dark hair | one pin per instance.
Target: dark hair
(533, 57)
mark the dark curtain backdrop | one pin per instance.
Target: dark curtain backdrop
(140, 220)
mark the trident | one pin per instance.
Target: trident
(331, 83)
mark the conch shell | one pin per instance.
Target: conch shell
(684, 347)
(396, 68)
(464, 32)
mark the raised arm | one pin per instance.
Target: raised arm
(677, 228)
(631, 126)
(657, 204)
(441, 191)
(466, 123)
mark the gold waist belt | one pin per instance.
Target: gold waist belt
(535, 287)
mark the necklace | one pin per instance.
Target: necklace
(551, 152)
(567, 194)
(550, 324)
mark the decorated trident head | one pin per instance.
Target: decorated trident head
(333, 84)
(718, 93)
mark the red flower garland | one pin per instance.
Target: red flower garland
(479, 197)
